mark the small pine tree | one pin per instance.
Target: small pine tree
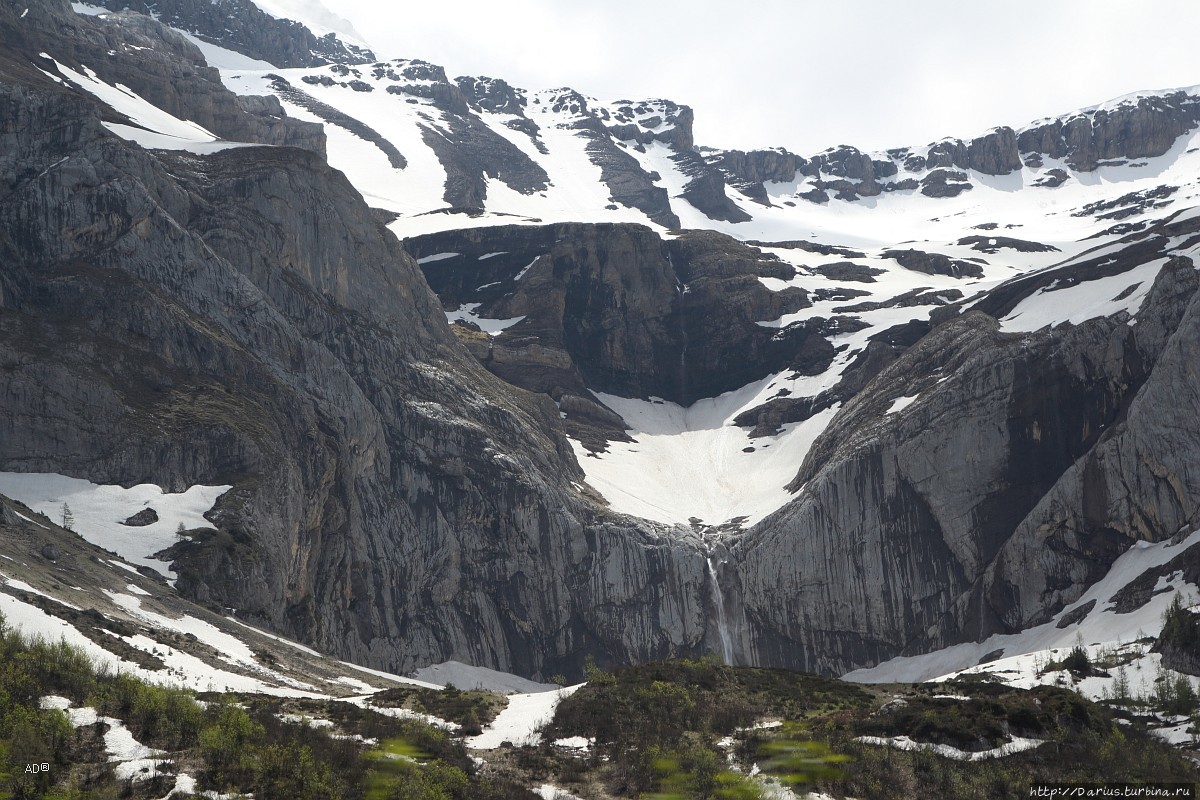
(68, 519)
(1121, 693)
(181, 532)
(1185, 695)
(1077, 660)
(471, 726)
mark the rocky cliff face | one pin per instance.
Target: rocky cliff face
(155, 62)
(614, 308)
(241, 318)
(1025, 465)
(241, 26)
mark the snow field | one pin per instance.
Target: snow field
(521, 719)
(100, 510)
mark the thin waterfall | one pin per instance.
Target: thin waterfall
(722, 622)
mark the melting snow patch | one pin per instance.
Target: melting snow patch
(273, 637)
(527, 267)
(135, 761)
(54, 701)
(437, 257)
(99, 511)
(355, 683)
(231, 649)
(492, 327)
(694, 462)
(1017, 745)
(300, 719)
(25, 587)
(1102, 297)
(901, 403)
(574, 743)
(1023, 650)
(152, 140)
(521, 720)
(404, 713)
(549, 791)
(137, 109)
(465, 676)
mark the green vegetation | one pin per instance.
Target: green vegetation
(656, 727)
(684, 730)
(676, 730)
(470, 709)
(229, 744)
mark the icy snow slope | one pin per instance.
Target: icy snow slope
(106, 515)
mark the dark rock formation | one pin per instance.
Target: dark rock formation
(1053, 178)
(472, 154)
(147, 516)
(748, 171)
(994, 153)
(492, 94)
(614, 308)
(671, 123)
(811, 247)
(332, 116)
(945, 183)
(1129, 205)
(849, 271)
(994, 244)
(706, 189)
(627, 182)
(934, 263)
(1143, 128)
(155, 62)
(241, 26)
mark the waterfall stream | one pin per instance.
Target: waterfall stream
(722, 622)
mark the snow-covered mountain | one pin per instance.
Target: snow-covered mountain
(813, 411)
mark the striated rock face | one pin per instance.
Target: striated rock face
(242, 26)
(242, 318)
(1026, 464)
(491, 94)
(616, 309)
(934, 263)
(650, 121)
(994, 153)
(154, 61)
(1138, 483)
(1143, 128)
(706, 189)
(747, 171)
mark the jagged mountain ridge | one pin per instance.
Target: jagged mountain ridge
(761, 563)
(468, 136)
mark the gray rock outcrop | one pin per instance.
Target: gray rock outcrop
(614, 308)
(990, 502)
(156, 62)
(243, 27)
(243, 318)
